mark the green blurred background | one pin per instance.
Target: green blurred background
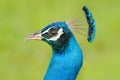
(20, 60)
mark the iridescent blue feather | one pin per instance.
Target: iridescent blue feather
(67, 58)
(91, 23)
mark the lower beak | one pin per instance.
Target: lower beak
(34, 36)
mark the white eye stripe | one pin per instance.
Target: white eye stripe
(46, 31)
(54, 38)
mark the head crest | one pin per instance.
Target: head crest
(79, 24)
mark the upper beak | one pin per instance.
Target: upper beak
(34, 36)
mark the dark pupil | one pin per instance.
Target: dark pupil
(52, 32)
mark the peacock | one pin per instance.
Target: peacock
(67, 58)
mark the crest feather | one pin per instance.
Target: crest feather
(85, 25)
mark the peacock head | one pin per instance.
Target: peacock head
(56, 34)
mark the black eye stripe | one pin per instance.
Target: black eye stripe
(54, 29)
(46, 35)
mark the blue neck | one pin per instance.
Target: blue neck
(65, 65)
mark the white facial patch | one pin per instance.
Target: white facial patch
(60, 32)
(54, 38)
(46, 31)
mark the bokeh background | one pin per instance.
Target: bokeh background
(20, 60)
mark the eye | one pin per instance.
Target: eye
(53, 32)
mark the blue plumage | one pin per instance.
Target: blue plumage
(67, 56)
(91, 23)
(66, 60)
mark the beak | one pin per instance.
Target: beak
(34, 36)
